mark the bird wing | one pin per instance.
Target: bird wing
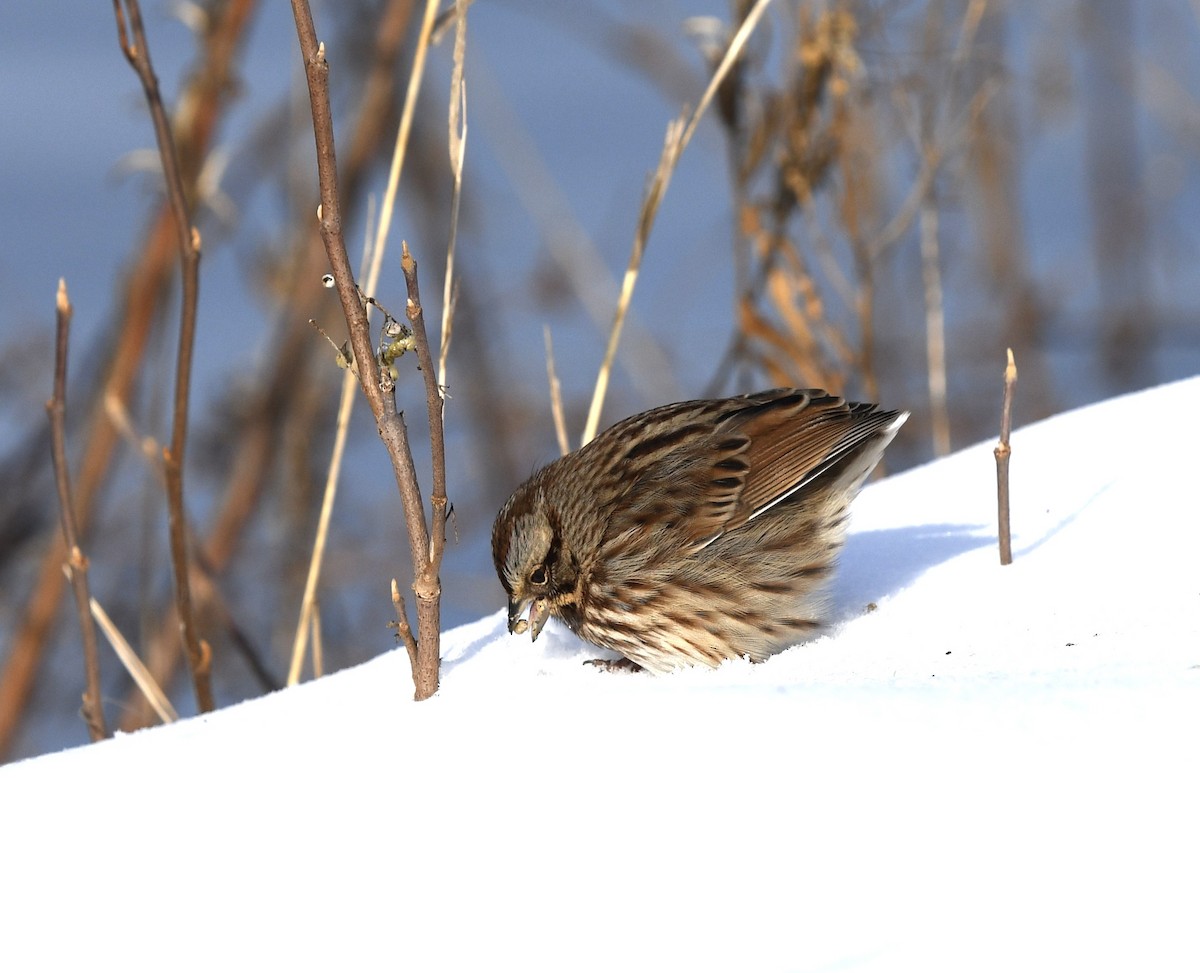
(797, 436)
(713, 466)
(673, 472)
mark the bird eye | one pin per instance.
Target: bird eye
(538, 575)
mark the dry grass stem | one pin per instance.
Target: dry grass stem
(935, 328)
(137, 670)
(318, 644)
(732, 53)
(77, 563)
(678, 135)
(672, 146)
(968, 29)
(789, 140)
(556, 404)
(333, 475)
(308, 599)
(400, 150)
(447, 17)
(570, 250)
(458, 151)
(809, 139)
(145, 446)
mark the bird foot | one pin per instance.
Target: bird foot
(614, 665)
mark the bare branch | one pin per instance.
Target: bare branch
(137, 53)
(92, 709)
(329, 213)
(373, 258)
(151, 273)
(378, 385)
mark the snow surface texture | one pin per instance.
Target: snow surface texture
(995, 769)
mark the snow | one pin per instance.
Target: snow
(992, 769)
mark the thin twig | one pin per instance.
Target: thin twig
(679, 134)
(1003, 452)
(403, 628)
(416, 317)
(92, 709)
(426, 581)
(932, 159)
(556, 405)
(825, 254)
(188, 237)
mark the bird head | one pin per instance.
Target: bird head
(531, 563)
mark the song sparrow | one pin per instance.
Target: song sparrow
(695, 532)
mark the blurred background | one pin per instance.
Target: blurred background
(883, 197)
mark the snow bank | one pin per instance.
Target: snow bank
(980, 768)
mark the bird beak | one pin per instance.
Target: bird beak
(539, 614)
(516, 608)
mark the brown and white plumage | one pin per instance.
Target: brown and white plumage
(695, 532)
